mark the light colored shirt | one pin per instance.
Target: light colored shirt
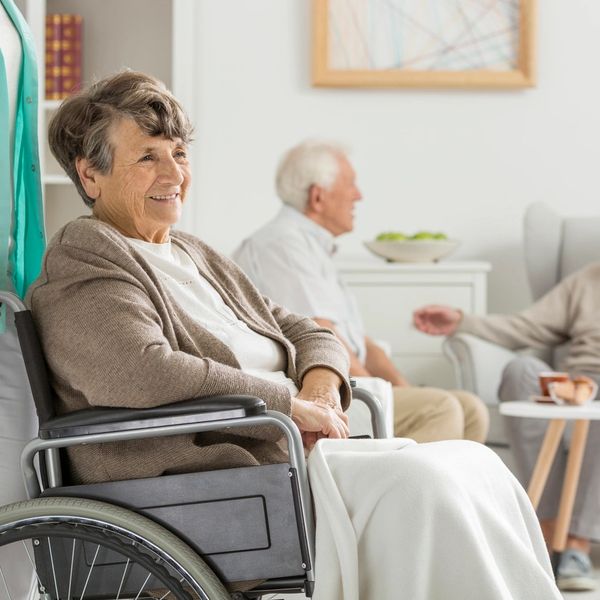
(290, 260)
(257, 354)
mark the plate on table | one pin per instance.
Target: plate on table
(545, 400)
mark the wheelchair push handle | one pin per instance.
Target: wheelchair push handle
(12, 301)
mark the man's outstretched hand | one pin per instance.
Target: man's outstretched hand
(437, 320)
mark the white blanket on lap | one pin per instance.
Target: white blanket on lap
(439, 521)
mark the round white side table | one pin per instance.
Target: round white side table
(558, 417)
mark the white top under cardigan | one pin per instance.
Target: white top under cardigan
(257, 354)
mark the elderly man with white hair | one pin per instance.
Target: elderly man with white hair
(290, 260)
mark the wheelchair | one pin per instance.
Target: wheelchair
(186, 536)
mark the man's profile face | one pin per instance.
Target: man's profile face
(336, 212)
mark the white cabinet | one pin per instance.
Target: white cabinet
(153, 36)
(387, 294)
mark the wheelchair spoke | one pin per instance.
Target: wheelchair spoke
(143, 586)
(42, 588)
(53, 569)
(71, 569)
(90, 572)
(123, 579)
(5, 584)
(167, 594)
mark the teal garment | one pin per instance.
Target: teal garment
(21, 204)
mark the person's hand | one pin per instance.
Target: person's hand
(437, 320)
(322, 386)
(325, 395)
(400, 381)
(316, 420)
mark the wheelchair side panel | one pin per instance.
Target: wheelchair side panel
(241, 521)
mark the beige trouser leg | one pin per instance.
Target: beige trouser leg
(427, 414)
(430, 414)
(477, 418)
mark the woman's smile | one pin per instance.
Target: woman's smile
(165, 197)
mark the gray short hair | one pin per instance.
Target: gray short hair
(80, 127)
(312, 162)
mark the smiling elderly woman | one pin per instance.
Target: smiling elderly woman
(132, 313)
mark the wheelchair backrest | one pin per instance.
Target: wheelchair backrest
(35, 365)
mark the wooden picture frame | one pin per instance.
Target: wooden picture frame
(340, 59)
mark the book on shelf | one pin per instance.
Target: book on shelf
(63, 55)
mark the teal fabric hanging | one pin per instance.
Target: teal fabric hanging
(20, 206)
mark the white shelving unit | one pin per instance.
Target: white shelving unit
(153, 36)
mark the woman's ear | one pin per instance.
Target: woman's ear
(88, 177)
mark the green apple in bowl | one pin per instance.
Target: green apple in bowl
(391, 236)
(428, 235)
(422, 235)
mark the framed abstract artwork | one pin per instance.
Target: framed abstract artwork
(424, 43)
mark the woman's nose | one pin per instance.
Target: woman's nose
(170, 172)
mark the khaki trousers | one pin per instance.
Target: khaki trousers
(430, 415)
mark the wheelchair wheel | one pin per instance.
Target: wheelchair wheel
(79, 549)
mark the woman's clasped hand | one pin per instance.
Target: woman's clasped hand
(317, 408)
(317, 420)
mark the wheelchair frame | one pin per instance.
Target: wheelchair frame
(194, 416)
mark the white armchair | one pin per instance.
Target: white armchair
(554, 247)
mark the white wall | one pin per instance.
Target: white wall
(466, 163)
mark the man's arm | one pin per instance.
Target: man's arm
(357, 369)
(545, 323)
(379, 365)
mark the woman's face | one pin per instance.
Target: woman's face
(143, 194)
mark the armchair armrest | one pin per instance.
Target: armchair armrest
(110, 420)
(478, 364)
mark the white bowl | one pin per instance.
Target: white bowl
(412, 250)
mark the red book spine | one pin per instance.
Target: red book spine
(70, 54)
(53, 57)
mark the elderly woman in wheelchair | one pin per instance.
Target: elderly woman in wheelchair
(171, 458)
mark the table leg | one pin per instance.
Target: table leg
(567, 497)
(545, 460)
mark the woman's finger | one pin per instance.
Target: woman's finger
(344, 417)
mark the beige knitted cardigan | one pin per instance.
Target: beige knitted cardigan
(113, 336)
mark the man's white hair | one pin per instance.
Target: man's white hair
(312, 162)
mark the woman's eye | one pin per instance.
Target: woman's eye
(146, 158)
(181, 154)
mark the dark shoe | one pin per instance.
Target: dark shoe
(575, 572)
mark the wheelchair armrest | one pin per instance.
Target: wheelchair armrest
(110, 420)
(378, 417)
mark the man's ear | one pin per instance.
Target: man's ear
(314, 199)
(88, 177)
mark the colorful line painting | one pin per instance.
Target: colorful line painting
(431, 35)
(491, 38)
